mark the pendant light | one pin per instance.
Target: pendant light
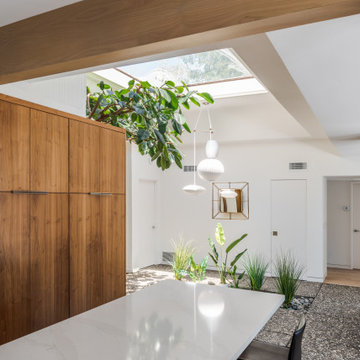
(194, 188)
(210, 168)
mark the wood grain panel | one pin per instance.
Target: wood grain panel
(48, 152)
(97, 250)
(84, 157)
(14, 267)
(14, 147)
(85, 253)
(112, 161)
(60, 40)
(112, 210)
(49, 253)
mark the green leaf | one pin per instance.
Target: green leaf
(186, 105)
(177, 127)
(170, 83)
(178, 162)
(213, 248)
(165, 95)
(237, 257)
(194, 101)
(185, 86)
(174, 101)
(212, 258)
(186, 127)
(206, 96)
(159, 136)
(131, 83)
(143, 134)
(234, 243)
(180, 118)
(220, 235)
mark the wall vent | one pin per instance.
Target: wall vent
(298, 166)
(190, 168)
(167, 256)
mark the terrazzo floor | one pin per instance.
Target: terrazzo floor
(333, 320)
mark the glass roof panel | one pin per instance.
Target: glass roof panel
(199, 68)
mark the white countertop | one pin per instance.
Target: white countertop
(169, 320)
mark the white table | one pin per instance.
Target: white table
(169, 320)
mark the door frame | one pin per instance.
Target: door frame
(352, 222)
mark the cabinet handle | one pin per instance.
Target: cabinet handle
(30, 192)
(100, 193)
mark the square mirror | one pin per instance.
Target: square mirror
(230, 200)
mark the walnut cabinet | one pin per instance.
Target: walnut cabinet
(62, 216)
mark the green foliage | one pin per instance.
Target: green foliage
(180, 264)
(288, 272)
(219, 261)
(255, 268)
(235, 277)
(197, 272)
(152, 116)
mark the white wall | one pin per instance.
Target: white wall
(338, 225)
(67, 93)
(256, 163)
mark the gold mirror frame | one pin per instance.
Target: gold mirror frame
(218, 206)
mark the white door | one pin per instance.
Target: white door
(356, 225)
(288, 218)
(146, 247)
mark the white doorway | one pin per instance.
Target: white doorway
(288, 219)
(144, 244)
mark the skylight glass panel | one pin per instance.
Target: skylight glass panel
(199, 68)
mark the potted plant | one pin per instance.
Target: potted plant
(255, 268)
(220, 260)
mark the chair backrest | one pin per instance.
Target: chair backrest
(295, 348)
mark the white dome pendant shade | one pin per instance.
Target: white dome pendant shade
(210, 168)
(194, 188)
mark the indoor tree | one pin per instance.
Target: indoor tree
(151, 116)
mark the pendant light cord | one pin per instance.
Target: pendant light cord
(209, 119)
(194, 131)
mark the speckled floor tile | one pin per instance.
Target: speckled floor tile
(274, 338)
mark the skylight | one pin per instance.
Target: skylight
(199, 68)
(219, 72)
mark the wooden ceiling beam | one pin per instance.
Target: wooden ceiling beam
(92, 32)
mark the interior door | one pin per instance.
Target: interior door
(49, 257)
(288, 214)
(48, 152)
(14, 266)
(356, 225)
(14, 147)
(144, 239)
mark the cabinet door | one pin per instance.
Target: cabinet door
(14, 266)
(84, 157)
(97, 250)
(14, 147)
(49, 249)
(85, 253)
(48, 152)
(112, 161)
(113, 240)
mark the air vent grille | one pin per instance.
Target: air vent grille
(167, 256)
(298, 166)
(190, 168)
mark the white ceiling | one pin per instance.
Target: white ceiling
(324, 60)
(246, 119)
(15, 10)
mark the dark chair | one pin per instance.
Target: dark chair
(258, 350)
